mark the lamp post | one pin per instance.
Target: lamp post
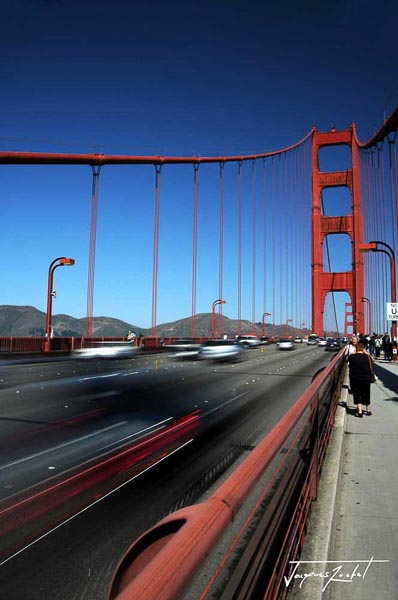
(373, 247)
(213, 316)
(58, 262)
(266, 314)
(368, 302)
(287, 326)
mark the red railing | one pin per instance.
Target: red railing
(163, 561)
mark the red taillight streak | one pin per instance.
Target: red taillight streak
(57, 494)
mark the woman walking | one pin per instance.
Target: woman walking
(361, 376)
(352, 346)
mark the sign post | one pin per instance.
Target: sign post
(392, 315)
(392, 311)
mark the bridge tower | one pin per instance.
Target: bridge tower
(351, 224)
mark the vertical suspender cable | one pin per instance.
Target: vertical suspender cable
(155, 249)
(254, 202)
(91, 255)
(365, 206)
(221, 248)
(264, 237)
(293, 226)
(393, 195)
(288, 294)
(194, 247)
(273, 245)
(385, 234)
(381, 233)
(239, 247)
(375, 262)
(395, 179)
(280, 206)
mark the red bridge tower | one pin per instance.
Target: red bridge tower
(351, 224)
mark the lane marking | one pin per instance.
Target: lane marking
(158, 425)
(94, 503)
(225, 403)
(99, 377)
(64, 445)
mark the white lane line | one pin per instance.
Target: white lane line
(100, 395)
(133, 373)
(158, 426)
(225, 403)
(94, 503)
(64, 445)
(99, 377)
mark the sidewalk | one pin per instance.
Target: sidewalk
(354, 522)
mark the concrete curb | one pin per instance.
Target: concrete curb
(319, 536)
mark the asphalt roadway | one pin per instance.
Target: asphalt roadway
(40, 429)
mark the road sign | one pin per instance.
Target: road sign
(392, 311)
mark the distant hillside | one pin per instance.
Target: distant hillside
(27, 320)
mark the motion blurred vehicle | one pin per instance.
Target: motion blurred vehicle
(107, 350)
(249, 341)
(321, 341)
(184, 348)
(298, 340)
(285, 344)
(263, 340)
(333, 344)
(312, 339)
(221, 350)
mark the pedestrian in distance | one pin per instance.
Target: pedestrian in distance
(387, 347)
(361, 376)
(377, 346)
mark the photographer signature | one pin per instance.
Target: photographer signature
(344, 571)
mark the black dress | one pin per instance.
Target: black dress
(360, 377)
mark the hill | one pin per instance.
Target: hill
(29, 321)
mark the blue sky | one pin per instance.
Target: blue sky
(176, 78)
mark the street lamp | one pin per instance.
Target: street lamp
(266, 314)
(213, 315)
(373, 247)
(287, 326)
(368, 302)
(58, 262)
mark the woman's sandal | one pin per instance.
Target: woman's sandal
(369, 413)
(359, 414)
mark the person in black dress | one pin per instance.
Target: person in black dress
(361, 371)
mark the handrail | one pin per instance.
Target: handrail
(162, 562)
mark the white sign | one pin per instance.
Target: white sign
(392, 311)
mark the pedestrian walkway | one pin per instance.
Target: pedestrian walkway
(353, 530)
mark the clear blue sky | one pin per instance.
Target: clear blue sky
(174, 78)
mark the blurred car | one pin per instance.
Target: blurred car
(298, 340)
(321, 341)
(263, 340)
(184, 348)
(107, 350)
(249, 341)
(221, 350)
(332, 344)
(286, 344)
